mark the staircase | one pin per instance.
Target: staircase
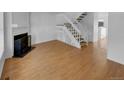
(75, 34)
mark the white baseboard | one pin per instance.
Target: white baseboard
(43, 41)
(116, 60)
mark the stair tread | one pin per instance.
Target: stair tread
(83, 43)
(84, 13)
(79, 18)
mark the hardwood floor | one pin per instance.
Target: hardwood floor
(55, 60)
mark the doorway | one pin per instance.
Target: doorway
(102, 30)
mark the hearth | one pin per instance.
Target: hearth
(22, 44)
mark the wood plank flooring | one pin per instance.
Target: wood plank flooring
(55, 60)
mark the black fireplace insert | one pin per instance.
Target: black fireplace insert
(22, 44)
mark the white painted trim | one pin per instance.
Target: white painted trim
(115, 60)
(43, 41)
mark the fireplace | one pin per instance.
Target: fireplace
(22, 44)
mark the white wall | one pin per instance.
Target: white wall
(116, 37)
(43, 27)
(8, 35)
(1, 33)
(2, 58)
(60, 20)
(95, 32)
(20, 22)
